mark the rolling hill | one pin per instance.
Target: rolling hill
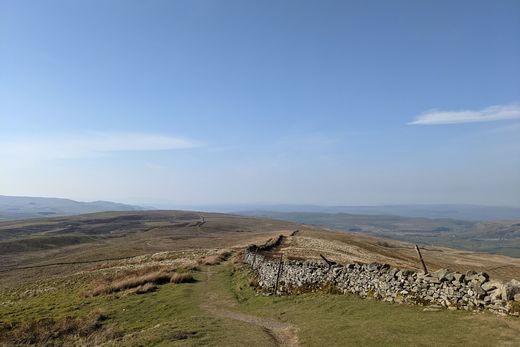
(500, 237)
(176, 278)
(22, 207)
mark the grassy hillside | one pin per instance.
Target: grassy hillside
(36, 246)
(127, 280)
(221, 309)
(75, 242)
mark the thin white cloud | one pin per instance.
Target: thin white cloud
(488, 114)
(86, 145)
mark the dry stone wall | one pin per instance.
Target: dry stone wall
(469, 291)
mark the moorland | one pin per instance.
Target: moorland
(176, 278)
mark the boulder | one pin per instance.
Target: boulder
(393, 272)
(481, 277)
(517, 297)
(441, 274)
(492, 285)
(495, 294)
(510, 289)
(470, 275)
(479, 292)
(407, 273)
(449, 277)
(373, 267)
(458, 277)
(431, 279)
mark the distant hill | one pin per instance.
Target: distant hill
(21, 207)
(500, 237)
(451, 211)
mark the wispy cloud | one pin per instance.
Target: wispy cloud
(89, 144)
(488, 114)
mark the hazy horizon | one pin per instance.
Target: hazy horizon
(261, 102)
(230, 206)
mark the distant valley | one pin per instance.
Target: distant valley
(499, 237)
(470, 227)
(451, 211)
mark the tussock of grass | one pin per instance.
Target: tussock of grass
(181, 278)
(141, 271)
(145, 288)
(217, 258)
(158, 277)
(51, 332)
(238, 258)
(142, 280)
(188, 266)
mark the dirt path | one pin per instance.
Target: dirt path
(221, 304)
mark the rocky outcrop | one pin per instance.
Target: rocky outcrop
(469, 291)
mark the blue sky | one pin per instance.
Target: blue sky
(314, 102)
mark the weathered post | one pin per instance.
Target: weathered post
(278, 275)
(421, 259)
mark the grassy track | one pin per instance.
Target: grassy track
(347, 320)
(221, 309)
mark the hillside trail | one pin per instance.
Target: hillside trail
(221, 303)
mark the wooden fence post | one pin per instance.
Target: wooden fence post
(278, 275)
(421, 259)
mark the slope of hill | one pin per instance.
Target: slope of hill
(21, 207)
(170, 277)
(90, 238)
(500, 237)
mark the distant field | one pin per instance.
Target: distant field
(499, 237)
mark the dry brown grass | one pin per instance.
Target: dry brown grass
(188, 266)
(157, 277)
(141, 280)
(344, 247)
(140, 271)
(145, 288)
(216, 258)
(51, 332)
(153, 236)
(238, 258)
(181, 277)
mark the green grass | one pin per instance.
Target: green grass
(347, 320)
(172, 315)
(169, 316)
